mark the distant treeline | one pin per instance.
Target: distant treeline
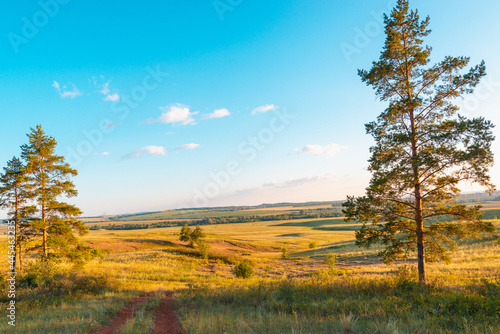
(139, 226)
(478, 197)
(302, 214)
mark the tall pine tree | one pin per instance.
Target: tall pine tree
(15, 196)
(423, 149)
(50, 179)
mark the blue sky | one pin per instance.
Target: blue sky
(168, 104)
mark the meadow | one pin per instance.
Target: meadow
(294, 289)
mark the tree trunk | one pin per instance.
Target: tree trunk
(15, 246)
(20, 258)
(418, 204)
(44, 243)
(420, 235)
(16, 222)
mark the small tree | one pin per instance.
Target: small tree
(15, 195)
(197, 235)
(49, 180)
(191, 236)
(186, 235)
(423, 150)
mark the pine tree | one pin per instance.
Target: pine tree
(50, 179)
(423, 149)
(15, 196)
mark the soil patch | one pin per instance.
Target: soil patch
(121, 318)
(166, 321)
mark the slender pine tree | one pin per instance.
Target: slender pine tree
(423, 149)
(50, 179)
(15, 195)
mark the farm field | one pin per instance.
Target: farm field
(292, 291)
(188, 214)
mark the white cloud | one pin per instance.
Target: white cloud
(64, 92)
(264, 108)
(299, 181)
(103, 153)
(109, 125)
(151, 150)
(288, 190)
(178, 113)
(219, 113)
(188, 147)
(304, 180)
(327, 150)
(112, 97)
(105, 89)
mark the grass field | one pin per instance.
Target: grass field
(297, 294)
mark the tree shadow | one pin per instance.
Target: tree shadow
(292, 235)
(312, 222)
(153, 241)
(324, 225)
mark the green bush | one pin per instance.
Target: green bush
(3, 283)
(29, 281)
(284, 253)
(203, 248)
(313, 245)
(406, 274)
(244, 270)
(331, 261)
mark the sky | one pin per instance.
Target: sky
(176, 104)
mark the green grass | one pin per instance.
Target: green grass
(143, 320)
(491, 213)
(77, 315)
(333, 304)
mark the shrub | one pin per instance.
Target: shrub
(82, 254)
(203, 247)
(313, 245)
(331, 261)
(284, 253)
(406, 275)
(244, 270)
(3, 283)
(30, 281)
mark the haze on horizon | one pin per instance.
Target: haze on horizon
(186, 104)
